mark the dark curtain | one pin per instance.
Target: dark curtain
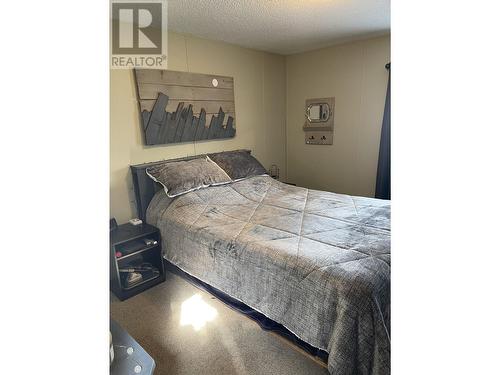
(383, 186)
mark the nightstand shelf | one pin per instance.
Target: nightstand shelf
(146, 248)
(138, 248)
(142, 282)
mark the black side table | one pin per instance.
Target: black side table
(129, 356)
(135, 248)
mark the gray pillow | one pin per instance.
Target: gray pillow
(180, 177)
(238, 164)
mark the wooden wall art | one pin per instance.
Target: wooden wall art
(184, 107)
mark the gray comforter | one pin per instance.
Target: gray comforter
(316, 262)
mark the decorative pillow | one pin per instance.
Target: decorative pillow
(180, 177)
(238, 164)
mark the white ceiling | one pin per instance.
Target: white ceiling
(280, 26)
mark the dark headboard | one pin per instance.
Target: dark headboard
(145, 188)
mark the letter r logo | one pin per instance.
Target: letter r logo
(136, 28)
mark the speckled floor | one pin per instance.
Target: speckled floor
(188, 331)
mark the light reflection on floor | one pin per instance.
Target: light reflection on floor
(196, 312)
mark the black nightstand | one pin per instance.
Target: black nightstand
(135, 247)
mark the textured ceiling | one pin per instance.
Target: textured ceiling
(280, 26)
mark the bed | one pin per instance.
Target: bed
(316, 262)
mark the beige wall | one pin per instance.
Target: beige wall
(355, 75)
(270, 91)
(260, 112)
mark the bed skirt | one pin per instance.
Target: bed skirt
(263, 321)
